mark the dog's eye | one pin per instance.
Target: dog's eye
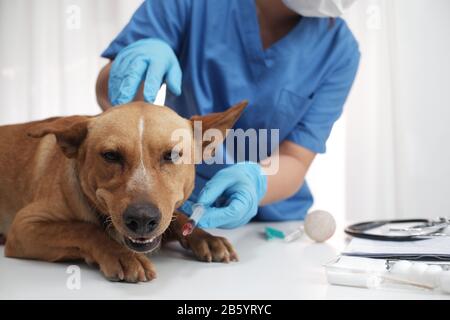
(112, 156)
(172, 155)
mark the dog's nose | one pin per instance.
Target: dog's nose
(142, 218)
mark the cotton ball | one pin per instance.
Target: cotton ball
(401, 267)
(319, 225)
(444, 281)
(432, 274)
(417, 271)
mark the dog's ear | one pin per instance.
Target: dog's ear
(219, 122)
(69, 132)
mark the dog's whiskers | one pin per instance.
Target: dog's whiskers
(109, 225)
(108, 221)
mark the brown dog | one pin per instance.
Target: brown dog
(103, 189)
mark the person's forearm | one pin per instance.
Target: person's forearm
(101, 87)
(293, 164)
(286, 182)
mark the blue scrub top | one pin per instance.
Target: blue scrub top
(298, 85)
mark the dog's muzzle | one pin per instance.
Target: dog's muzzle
(141, 220)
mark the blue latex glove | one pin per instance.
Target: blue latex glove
(151, 60)
(232, 196)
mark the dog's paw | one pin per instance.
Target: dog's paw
(208, 248)
(127, 266)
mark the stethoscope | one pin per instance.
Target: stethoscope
(420, 230)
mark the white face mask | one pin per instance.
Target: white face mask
(319, 8)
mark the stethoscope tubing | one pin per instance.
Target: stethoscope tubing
(358, 230)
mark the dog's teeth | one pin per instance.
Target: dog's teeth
(142, 241)
(146, 241)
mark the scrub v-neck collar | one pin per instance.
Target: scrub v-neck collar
(250, 32)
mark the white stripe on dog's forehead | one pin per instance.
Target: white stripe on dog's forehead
(140, 179)
(141, 130)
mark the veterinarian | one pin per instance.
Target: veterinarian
(294, 60)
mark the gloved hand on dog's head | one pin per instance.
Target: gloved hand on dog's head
(150, 60)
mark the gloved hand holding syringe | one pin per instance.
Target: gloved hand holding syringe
(230, 198)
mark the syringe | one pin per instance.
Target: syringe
(197, 212)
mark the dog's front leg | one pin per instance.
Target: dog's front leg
(204, 245)
(33, 237)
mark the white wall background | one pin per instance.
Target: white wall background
(390, 153)
(388, 156)
(50, 54)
